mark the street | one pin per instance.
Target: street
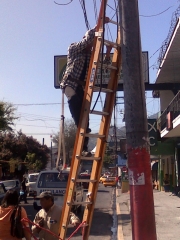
(102, 219)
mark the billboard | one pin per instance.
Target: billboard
(60, 66)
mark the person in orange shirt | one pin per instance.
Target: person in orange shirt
(9, 202)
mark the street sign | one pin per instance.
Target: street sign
(152, 130)
(60, 66)
(122, 162)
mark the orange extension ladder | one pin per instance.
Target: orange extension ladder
(97, 160)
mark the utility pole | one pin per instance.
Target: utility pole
(51, 137)
(140, 180)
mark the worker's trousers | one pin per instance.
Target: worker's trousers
(75, 100)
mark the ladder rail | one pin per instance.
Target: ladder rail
(104, 129)
(80, 137)
(102, 136)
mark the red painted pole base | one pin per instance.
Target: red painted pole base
(141, 195)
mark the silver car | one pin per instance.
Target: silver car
(12, 185)
(2, 191)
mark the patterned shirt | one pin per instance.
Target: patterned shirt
(51, 222)
(76, 59)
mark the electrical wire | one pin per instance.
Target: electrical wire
(63, 3)
(116, 9)
(35, 126)
(82, 2)
(117, 20)
(104, 14)
(102, 51)
(37, 104)
(95, 10)
(157, 13)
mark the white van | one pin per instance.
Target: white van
(31, 183)
(56, 183)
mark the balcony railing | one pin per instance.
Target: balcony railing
(165, 43)
(174, 110)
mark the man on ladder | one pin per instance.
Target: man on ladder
(74, 78)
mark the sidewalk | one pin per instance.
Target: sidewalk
(167, 214)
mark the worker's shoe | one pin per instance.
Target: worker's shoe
(88, 130)
(86, 154)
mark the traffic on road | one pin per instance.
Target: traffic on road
(54, 182)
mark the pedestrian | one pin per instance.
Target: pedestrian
(49, 217)
(8, 206)
(117, 179)
(166, 183)
(23, 191)
(73, 81)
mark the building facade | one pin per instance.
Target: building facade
(168, 123)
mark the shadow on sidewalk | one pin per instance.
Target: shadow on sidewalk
(125, 218)
(101, 218)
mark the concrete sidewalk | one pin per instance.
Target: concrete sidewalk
(167, 215)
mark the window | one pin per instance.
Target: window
(53, 180)
(10, 184)
(1, 189)
(33, 178)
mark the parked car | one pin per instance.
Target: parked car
(110, 181)
(31, 183)
(102, 179)
(52, 180)
(2, 192)
(12, 185)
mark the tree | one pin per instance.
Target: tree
(7, 116)
(69, 137)
(23, 151)
(107, 161)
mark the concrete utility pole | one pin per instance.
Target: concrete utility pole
(140, 180)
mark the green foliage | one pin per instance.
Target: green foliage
(21, 148)
(107, 161)
(108, 157)
(7, 116)
(69, 137)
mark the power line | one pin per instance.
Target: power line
(35, 126)
(157, 13)
(35, 104)
(63, 3)
(39, 133)
(40, 104)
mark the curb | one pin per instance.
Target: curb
(120, 235)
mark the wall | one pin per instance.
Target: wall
(165, 98)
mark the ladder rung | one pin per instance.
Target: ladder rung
(113, 22)
(107, 66)
(80, 203)
(109, 43)
(88, 158)
(99, 112)
(97, 89)
(72, 226)
(93, 135)
(86, 180)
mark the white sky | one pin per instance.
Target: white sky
(34, 31)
